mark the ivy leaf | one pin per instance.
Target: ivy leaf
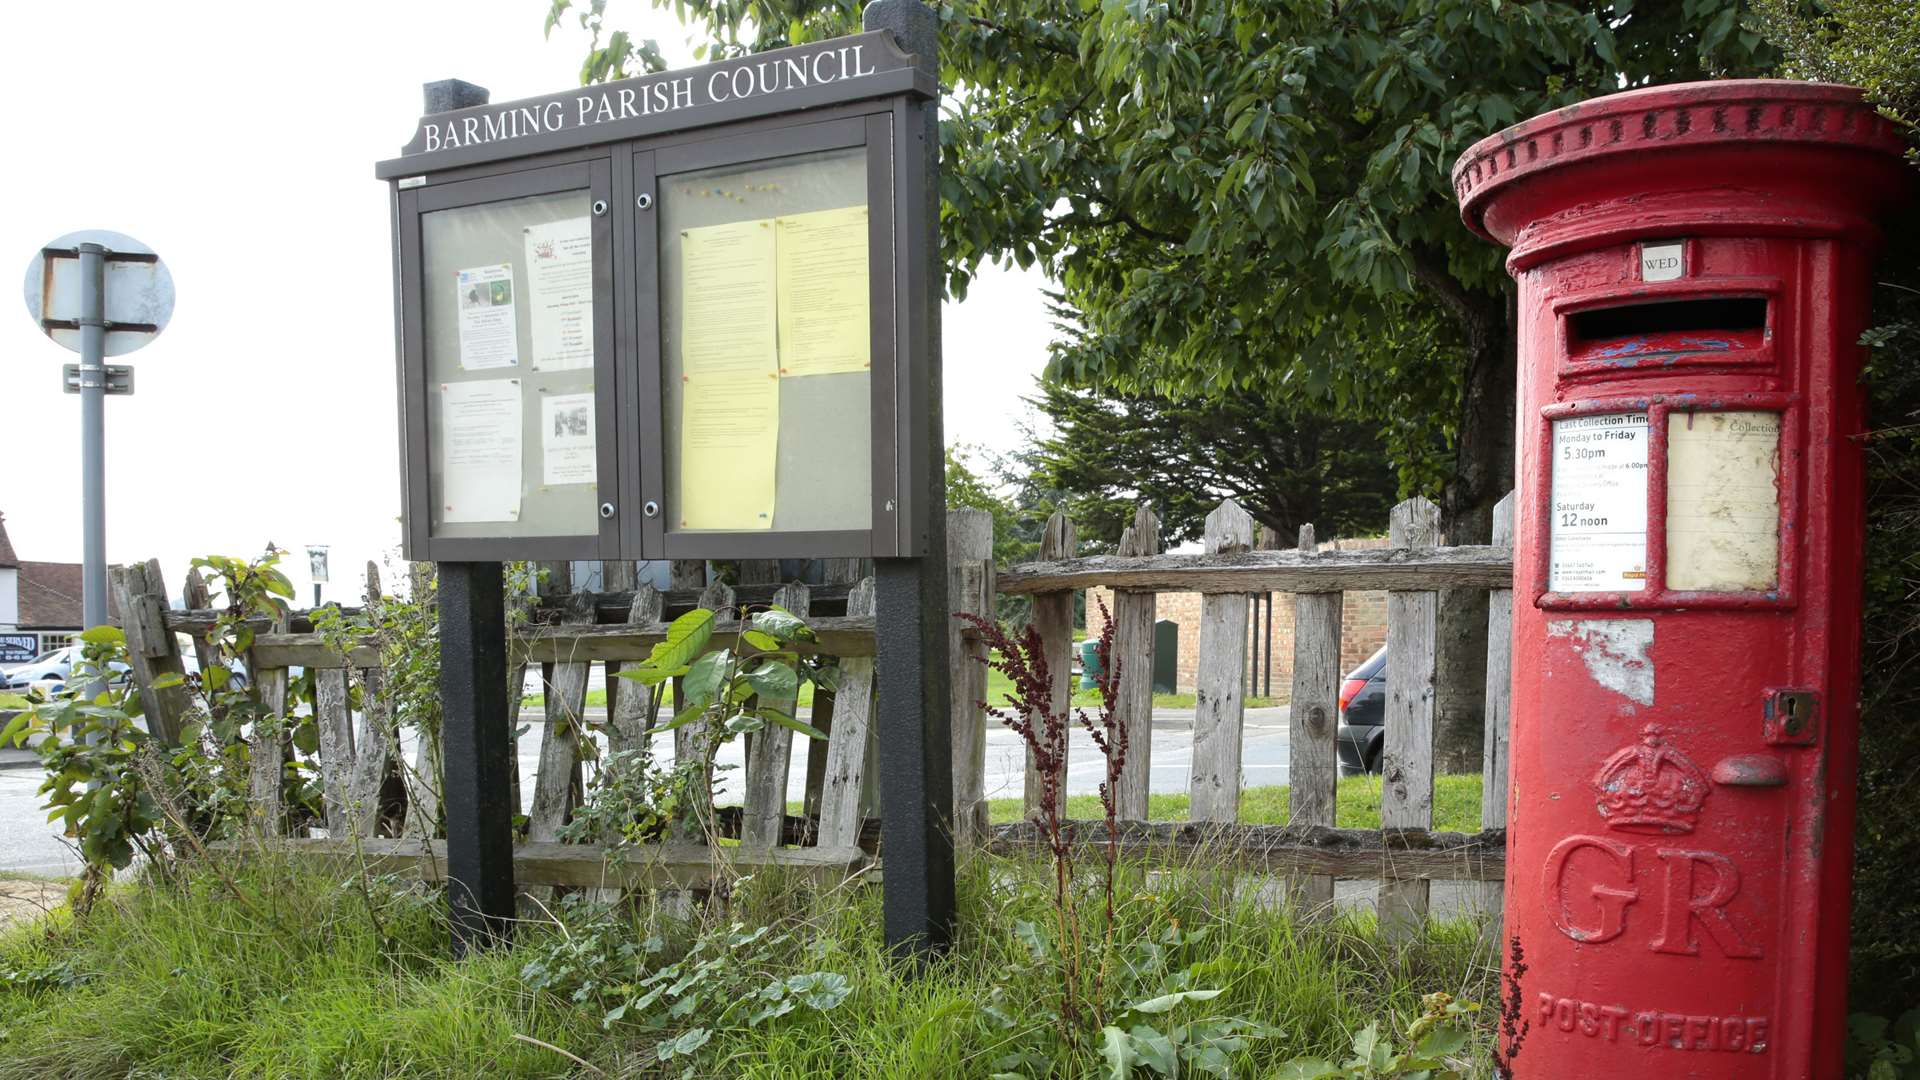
(103, 635)
(690, 1040)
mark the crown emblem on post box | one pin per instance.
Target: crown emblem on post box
(1650, 787)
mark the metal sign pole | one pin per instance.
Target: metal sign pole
(93, 448)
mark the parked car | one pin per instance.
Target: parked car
(1363, 716)
(48, 665)
(49, 673)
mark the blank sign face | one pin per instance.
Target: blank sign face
(766, 345)
(1723, 501)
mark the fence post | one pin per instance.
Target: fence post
(847, 759)
(1218, 705)
(1493, 793)
(770, 755)
(833, 572)
(141, 595)
(1312, 775)
(1133, 612)
(1406, 797)
(558, 777)
(969, 589)
(1053, 618)
(376, 743)
(266, 746)
(631, 712)
(334, 719)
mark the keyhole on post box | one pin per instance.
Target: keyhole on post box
(1793, 714)
(1791, 717)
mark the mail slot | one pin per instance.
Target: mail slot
(1693, 272)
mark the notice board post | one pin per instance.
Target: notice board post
(916, 756)
(690, 315)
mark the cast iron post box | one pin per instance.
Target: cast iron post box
(1692, 264)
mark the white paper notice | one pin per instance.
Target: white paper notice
(480, 450)
(1599, 512)
(560, 293)
(489, 334)
(566, 439)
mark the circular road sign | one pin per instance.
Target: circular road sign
(139, 290)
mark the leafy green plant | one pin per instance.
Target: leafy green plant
(726, 981)
(1882, 1049)
(1438, 1033)
(631, 800)
(89, 745)
(730, 691)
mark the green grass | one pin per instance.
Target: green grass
(260, 970)
(1456, 805)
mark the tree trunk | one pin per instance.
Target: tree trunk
(1483, 473)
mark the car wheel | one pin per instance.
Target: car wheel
(1373, 758)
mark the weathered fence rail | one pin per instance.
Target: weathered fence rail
(362, 759)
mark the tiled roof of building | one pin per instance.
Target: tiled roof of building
(50, 597)
(7, 557)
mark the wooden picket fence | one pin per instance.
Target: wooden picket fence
(361, 757)
(1405, 855)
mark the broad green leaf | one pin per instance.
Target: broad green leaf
(760, 640)
(686, 637)
(774, 680)
(1307, 1069)
(780, 623)
(169, 679)
(104, 635)
(1166, 1002)
(1155, 1050)
(791, 724)
(702, 683)
(1117, 1049)
(1440, 1042)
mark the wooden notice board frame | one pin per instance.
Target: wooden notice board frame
(860, 91)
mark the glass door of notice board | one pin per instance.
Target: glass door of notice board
(511, 341)
(773, 314)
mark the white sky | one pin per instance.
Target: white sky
(239, 142)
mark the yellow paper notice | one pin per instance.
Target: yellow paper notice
(822, 270)
(730, 384)
(729, 431)
(726, 306)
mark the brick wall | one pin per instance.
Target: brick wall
(1363, 628)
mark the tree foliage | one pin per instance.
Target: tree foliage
(1875, 44)
(1182, 456)
(1253, 195)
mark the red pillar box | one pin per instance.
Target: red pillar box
(1693, 276)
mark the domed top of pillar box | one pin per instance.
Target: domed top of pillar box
(1736, 157)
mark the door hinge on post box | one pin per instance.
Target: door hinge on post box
(1791, 717)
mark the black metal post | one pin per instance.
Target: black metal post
(910, 594)
(477, 749)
